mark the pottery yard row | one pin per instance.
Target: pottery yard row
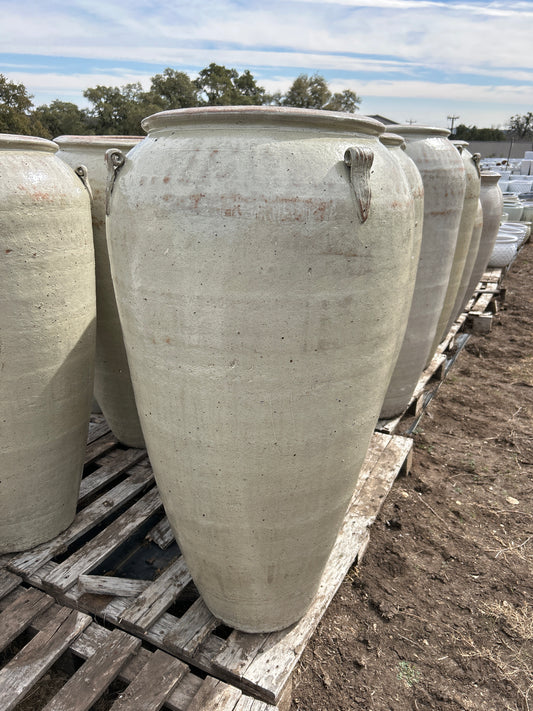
(269, 282)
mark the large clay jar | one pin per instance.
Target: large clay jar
(442, 172)
(261, 258)
(47, 326)
(112, 381)
(401, 375)
(469, 266)
(464, 239)
(491, 199)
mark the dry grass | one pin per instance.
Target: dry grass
(511, 651)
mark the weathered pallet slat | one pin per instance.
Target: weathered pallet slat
(161, 534)
(155, 679)
(112, 466)
(157, 597)
(153, 685)
(17, 616)
(36, 657)
(109, 585)
(100, 446)
(92, 553)
(88, 684)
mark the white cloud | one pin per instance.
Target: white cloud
(403, 44)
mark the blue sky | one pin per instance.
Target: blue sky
(416, 60)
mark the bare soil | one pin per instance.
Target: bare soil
(439, 614)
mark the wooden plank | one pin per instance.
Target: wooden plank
(94, 636)
(18, 615)
(30, 561)
(33, 661)
(91, 680)
(96, 550)
(191, 629)
(8, 582)
(100, 446)
(122, 460)
(215, 695)
(108, 585)
(161, 534)
(481, 304)
(153, 685)
(97, 430)
(157, 597)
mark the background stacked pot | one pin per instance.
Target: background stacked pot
(443, 177)
(47, 325)
(261, 258)
(112, 382)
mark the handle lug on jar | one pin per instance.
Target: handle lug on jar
(115, 159)
(476, 157)
(83, 174)
(359, 161)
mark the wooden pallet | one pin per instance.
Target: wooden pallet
(36, 633)
(488, 295)
(121, 521)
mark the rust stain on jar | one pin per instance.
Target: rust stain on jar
(196, 197)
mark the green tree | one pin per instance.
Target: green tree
(60, 118)
(347, 101)
(15, 109)
(521, 126)
(219, 86)
(173, 90)
(119, 110)
(312, 92)
(473, 133)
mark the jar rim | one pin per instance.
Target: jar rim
(15, 140)
(391, 139)
(410, 129)
(254, 115)
(98, 141)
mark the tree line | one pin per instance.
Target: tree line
(117, 110)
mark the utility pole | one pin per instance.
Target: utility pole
(452, 119)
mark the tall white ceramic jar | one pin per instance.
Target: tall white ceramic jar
(491, 199)
(47, 334)
(402, 374)
(443, 177)
(261, 260)
(469, 267)
(112, 381)
(464, 239)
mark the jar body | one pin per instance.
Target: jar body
(442, 172)
(468, 269)
(491, 199)
(47, 322)
(464, 239)
(259, 332)
(112, 381)
(406, 370)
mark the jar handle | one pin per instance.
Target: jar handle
(115, 159)
(359, 160)
(83, 174)
(476, 157)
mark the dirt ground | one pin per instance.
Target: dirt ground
(439, 614)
